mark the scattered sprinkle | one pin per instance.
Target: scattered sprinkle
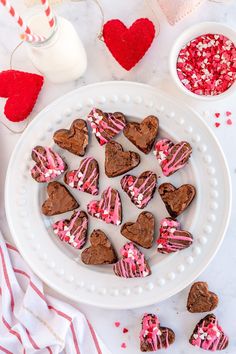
(228, 113)
(217, 125)
(125, 330)
(123, 345)
(229, 121)
(217, 115)
(117, 324)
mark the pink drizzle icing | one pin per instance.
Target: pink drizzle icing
(141, 195)
(132, 264)
(105, 209)
(151, 333)
(104, 131)
(49, 166)
(209, 335)
(67, 232)
(77, 178)
(164, 149)
(169, 240)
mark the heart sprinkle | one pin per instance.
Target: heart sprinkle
(217, 115)
(217, 125)
(123, 346)
(229, 122)
(125, 330)
(117, 324)
(206, 65)
(228, 113)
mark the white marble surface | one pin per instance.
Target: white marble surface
(220, 274)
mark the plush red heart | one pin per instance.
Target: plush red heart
(21, 90)
(128, 45)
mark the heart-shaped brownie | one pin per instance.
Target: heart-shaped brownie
(100, 251)
(118, 161)
(154, 337)
(86, 178)
(209, 335)
(172, 238)
(59, 200)
(74, 139)
(176, 199)
(128, 45)
(172, 157)
(49, 164)
(21, 90)
(74, 230)
(108, 209)
(200, 299)
(143, 134)
(133, 263)
(140, 189)
(141, 231)
(104, 125)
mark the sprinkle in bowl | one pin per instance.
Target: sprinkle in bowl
(202, 61)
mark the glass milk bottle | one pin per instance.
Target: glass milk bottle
(61, 57)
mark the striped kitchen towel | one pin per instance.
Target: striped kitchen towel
(34, 322)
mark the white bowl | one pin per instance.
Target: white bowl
(188, 35)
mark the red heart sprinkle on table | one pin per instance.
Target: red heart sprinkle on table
(217, 125)
(117, 324)
(228, 113)
(217, 115)
(229, 122)
(125, 330)
(123, 345)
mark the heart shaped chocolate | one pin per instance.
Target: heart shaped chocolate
(209, 335)
(74, 139)
(172, 157)
(141, 231)
(49, 164)
(143, 134)
(86, 178)
(108, 209)
(140, 189)
(200, 299)
(154, 337)
(100, 251)
(132, 264)
(172, 238)
(104, 125)
(176, 199)
(118, 161)
(74, 230)
(59, 200)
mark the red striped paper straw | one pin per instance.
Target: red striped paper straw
(32, 38)
(15, 15)
(48, 12)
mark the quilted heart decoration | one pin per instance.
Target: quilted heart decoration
(128, 45)
(21, 90)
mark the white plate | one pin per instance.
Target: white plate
(207, 217)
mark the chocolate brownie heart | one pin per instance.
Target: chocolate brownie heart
(132, 264)
(59, 200)
(172, 157)
(154, 337)
(49, 164)
(140, 189)
(209, 335)
(104, 125)
(176, 199)
(74, 230)
(141, 231)
(200, 299)
(100, 251)
(118, 161)
(108, 209)
(86, 178)
(172, 238)
(143, 134)
(74, 139)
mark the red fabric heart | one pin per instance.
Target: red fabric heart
(128, 45)
(21, 90)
